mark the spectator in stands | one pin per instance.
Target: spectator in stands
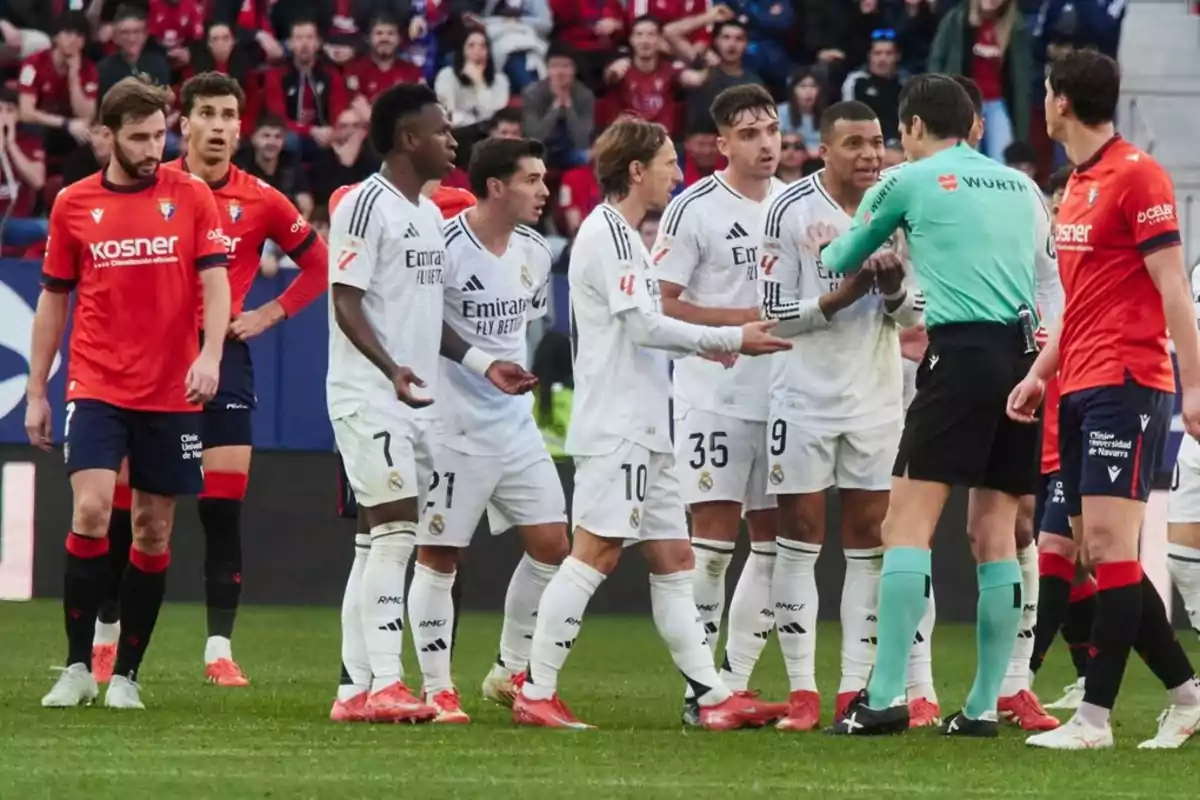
(132, 56)
(646, 83)
(771, 25)
(687, 25)
(265, 159)
(792, 155)
(347, 24)
(306, 91)
(1021, 156)
(20, 43)
(560, 111)
(879, 84)
(220, 52)
(506, 124)
(578, 196)
(837, 34)
(58, 88)
(251, 21)
(22, 176)
(592, 29)
(421, 47)
(89, 160)
(988, 41)
(916, 25)
(519, 31)
(369, 75)
(1079, 24)
(176, 26)
(729, 45)
(470, 88)
(701, 157)
(801, 114)
(349, 160)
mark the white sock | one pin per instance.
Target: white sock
(217, 648)
(383, 600)
(751, 618)
(560, 615)
(356, 667)
(673, 606)
(1186, 693)
(1096, 716)
(860, 609)
(431, 622)
(106, 632)
(920, 657)
(708, 589)
(1184, 565)
(1016, 677)
(529, 581)
(794, 596)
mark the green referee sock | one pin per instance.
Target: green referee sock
(903, 596)
(998, 617)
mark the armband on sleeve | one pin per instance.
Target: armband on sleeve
(910, 311)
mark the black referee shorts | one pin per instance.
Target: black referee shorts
(957, 431)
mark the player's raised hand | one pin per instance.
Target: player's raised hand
(1027, 395)
(403, 381)
(758, 340)
(38, 424)
(511, 378)
(202, 379)
(817, 236)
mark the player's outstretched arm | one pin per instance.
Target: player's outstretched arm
(49, 322)
(509, 377)
(879, 214)
(651, 329)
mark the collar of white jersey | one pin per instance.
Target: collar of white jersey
(459, 223)
(379, 180)
(821, 190)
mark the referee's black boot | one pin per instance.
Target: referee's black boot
(962, 725)
(861, 720)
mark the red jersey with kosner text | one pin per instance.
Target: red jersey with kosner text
(1051, 462)
(252, 212)
(132, 254)
(1118, 207)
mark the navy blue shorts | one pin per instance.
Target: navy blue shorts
(163, 446)
(227, 417)
(1051, 511)
(1111, 441)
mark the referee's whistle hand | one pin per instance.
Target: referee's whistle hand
(1025, 398)
(758, 340)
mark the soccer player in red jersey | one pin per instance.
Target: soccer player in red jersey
(251, 212)
(1122, 267)
(130, 242)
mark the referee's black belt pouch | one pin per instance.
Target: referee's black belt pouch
(993, 335)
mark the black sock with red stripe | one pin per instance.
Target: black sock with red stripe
(1055, 574)
(1118, 616)
(142, 591)
(220, 507)
(1158, 644)
(1081, 616)
(120, 539)
(84, 584)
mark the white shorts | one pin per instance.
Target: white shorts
(811, 461)
(520, 487)
(722, 458)
(1184, 503)
(388, 456)
(630, 493)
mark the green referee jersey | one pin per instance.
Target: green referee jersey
(975, 231)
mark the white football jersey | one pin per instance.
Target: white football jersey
(847, 376)
(622, 390)
(708, 243)
(489, 301)
(393, 250)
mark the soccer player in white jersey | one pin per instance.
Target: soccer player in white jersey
(706, 262)
(490, 455)
(1183, 514)
(836, 405)
(386, 255)
(626, 487)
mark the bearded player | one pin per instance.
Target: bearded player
(251, 212)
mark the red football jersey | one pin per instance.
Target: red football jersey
(653, 95)
(668, 11)
(1050, 459)
(365, 77)
(251, 212)
(1117, 208)
(41, 78)
(132, 254)
(176, 24)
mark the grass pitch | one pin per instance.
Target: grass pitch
(274, 739)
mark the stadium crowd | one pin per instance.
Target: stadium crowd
(556, 70)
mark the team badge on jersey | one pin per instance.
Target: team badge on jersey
(437, 524)
(1093, 193)
(526, 278)
(395, 482)
(167, 209)
(776, 474)
(706, 482)
(635, 519)
(235, 210)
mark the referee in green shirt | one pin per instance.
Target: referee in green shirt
(975, 231)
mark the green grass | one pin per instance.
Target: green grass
(274, 740)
